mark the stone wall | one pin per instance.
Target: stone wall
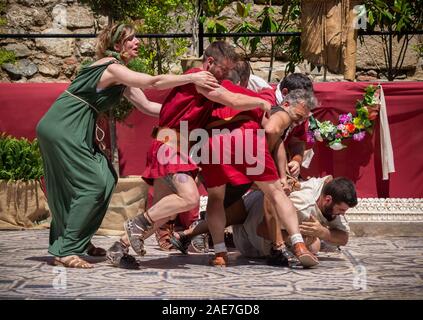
(58, 59)
(48, 59)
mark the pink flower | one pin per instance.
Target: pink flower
(318, 135)
(310, 137)
(345, 118)
(359, 136)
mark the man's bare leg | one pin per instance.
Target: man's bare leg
(235, 214)
(118, 254)
(287, 216)
(184, 196)
(270, 229)
(216, 221)
(313, 243)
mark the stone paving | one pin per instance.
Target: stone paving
(368, 268)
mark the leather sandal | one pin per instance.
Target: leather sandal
(136, 229)
(282, 257)
(182, 243)
(118, 255)
(72, 262)
(220, 259)
(163, 235)
(95, 251)
(306, 258)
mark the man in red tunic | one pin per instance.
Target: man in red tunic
(245, 128)
(169, 168)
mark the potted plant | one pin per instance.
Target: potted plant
(22, 201)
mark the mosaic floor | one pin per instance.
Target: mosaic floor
(368, 268)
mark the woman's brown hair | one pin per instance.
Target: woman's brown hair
(108, 37)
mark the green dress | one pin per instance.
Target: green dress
(79, 178)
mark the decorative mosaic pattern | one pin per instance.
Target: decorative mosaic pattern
(369, 268)
(387, 210)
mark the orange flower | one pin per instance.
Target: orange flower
(350, 127)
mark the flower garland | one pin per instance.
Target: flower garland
(349, 126)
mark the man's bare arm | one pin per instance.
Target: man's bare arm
(234, 100)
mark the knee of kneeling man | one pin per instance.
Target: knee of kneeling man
(275, 196)
(192, 200)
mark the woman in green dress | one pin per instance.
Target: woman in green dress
(79, 178)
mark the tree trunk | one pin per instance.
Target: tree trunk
(195, 48)
(113, 143)
(272, 54)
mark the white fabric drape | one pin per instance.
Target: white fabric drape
(387, 154)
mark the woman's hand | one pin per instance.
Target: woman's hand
(205, 80)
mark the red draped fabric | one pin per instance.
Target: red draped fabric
(22, 105)
(361, 161)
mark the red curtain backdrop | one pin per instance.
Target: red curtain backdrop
(22, 105)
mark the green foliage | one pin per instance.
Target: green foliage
(121, 112)
(419, 49)
(7, 56)
(153, 16)
(156, 56)
(20, 159)
(212, 19)
(3, 20)
(271, 20)
(87, 61)
(397, 16)
(292, 49)
(247, 44)
(115, 9)
(2, 6)
(162, 16)
(142, 63)
(370, 98)
(394, 15)
(349, 126)
(290, 13)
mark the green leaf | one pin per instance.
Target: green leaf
(370, 17)
(240, 9)
(20, 159)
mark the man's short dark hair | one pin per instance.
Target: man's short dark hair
(341, 190)
(220, 50)
(240, 73)
(243, 69)
(296, 81)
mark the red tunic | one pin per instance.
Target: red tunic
(236, 173)
(183, 103)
